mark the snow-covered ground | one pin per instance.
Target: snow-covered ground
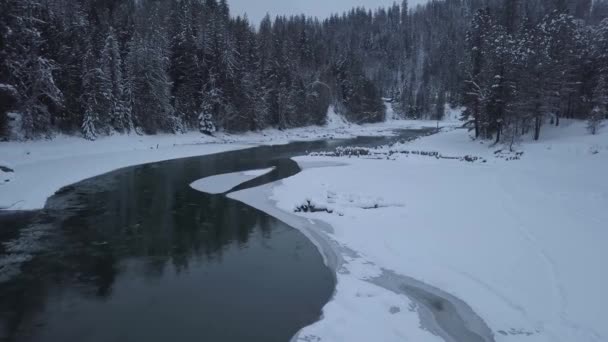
(420, 230)
(520, 238)
(43, 167)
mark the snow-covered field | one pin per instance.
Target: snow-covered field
(520, 238)
(43, 167)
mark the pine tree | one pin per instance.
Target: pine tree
(150, 86)
(502, 84)
(89, 130)
(531, 63)
(600, 105)
(27, 72)
(184, 70)
(560, 30)
(318, 100)
(600, 45)
(97, 97)
(476, 89)
(104, 66)
(264, 115)
(212, 98)
(206, 125)
(71, 37)
(119, 111)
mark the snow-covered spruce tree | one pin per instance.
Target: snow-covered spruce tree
(560, 30)
(283, 106)
(27, 71)
(205, 117)
(531, 61)
(600, 105)
(248, 97)
(277, 77)
(148, 79)
(213, 102)
(89, 120)
(119, 111)
(219, 64)
(412, 56)
(232, 80)
(68, 42)
(502, 86)
(600, 45)
(512, 84)
(96, 97)
(296, 101)
(184, 69)
(263, 115)
(476, 90)
(356, 94)
(318, 100)
(10, 52)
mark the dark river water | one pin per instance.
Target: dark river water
(137, 255)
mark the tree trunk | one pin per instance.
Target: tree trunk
(569, 109)
(476, 125)
(537, 129)
(497, 136)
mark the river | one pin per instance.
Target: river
(137, 255)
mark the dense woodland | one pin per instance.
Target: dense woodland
(98, 67)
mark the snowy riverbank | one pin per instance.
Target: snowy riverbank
(43, 167)
(519, 238)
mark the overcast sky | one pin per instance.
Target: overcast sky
(257, 9)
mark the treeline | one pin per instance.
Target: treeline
(95, 67)
(103, 66)
(514, 64)
(524, 69)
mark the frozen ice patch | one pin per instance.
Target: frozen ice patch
(220, 184)
(258, 173)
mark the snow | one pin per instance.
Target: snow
(45, 166)
(522, 242)
(7, 88)
(365, 312)
(391, 115)
(520, 238)
(453, 114)
(335, 120)
(258, 173)
(220, 184)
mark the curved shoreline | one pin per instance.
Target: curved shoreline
(440, 313)
(27, 190)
